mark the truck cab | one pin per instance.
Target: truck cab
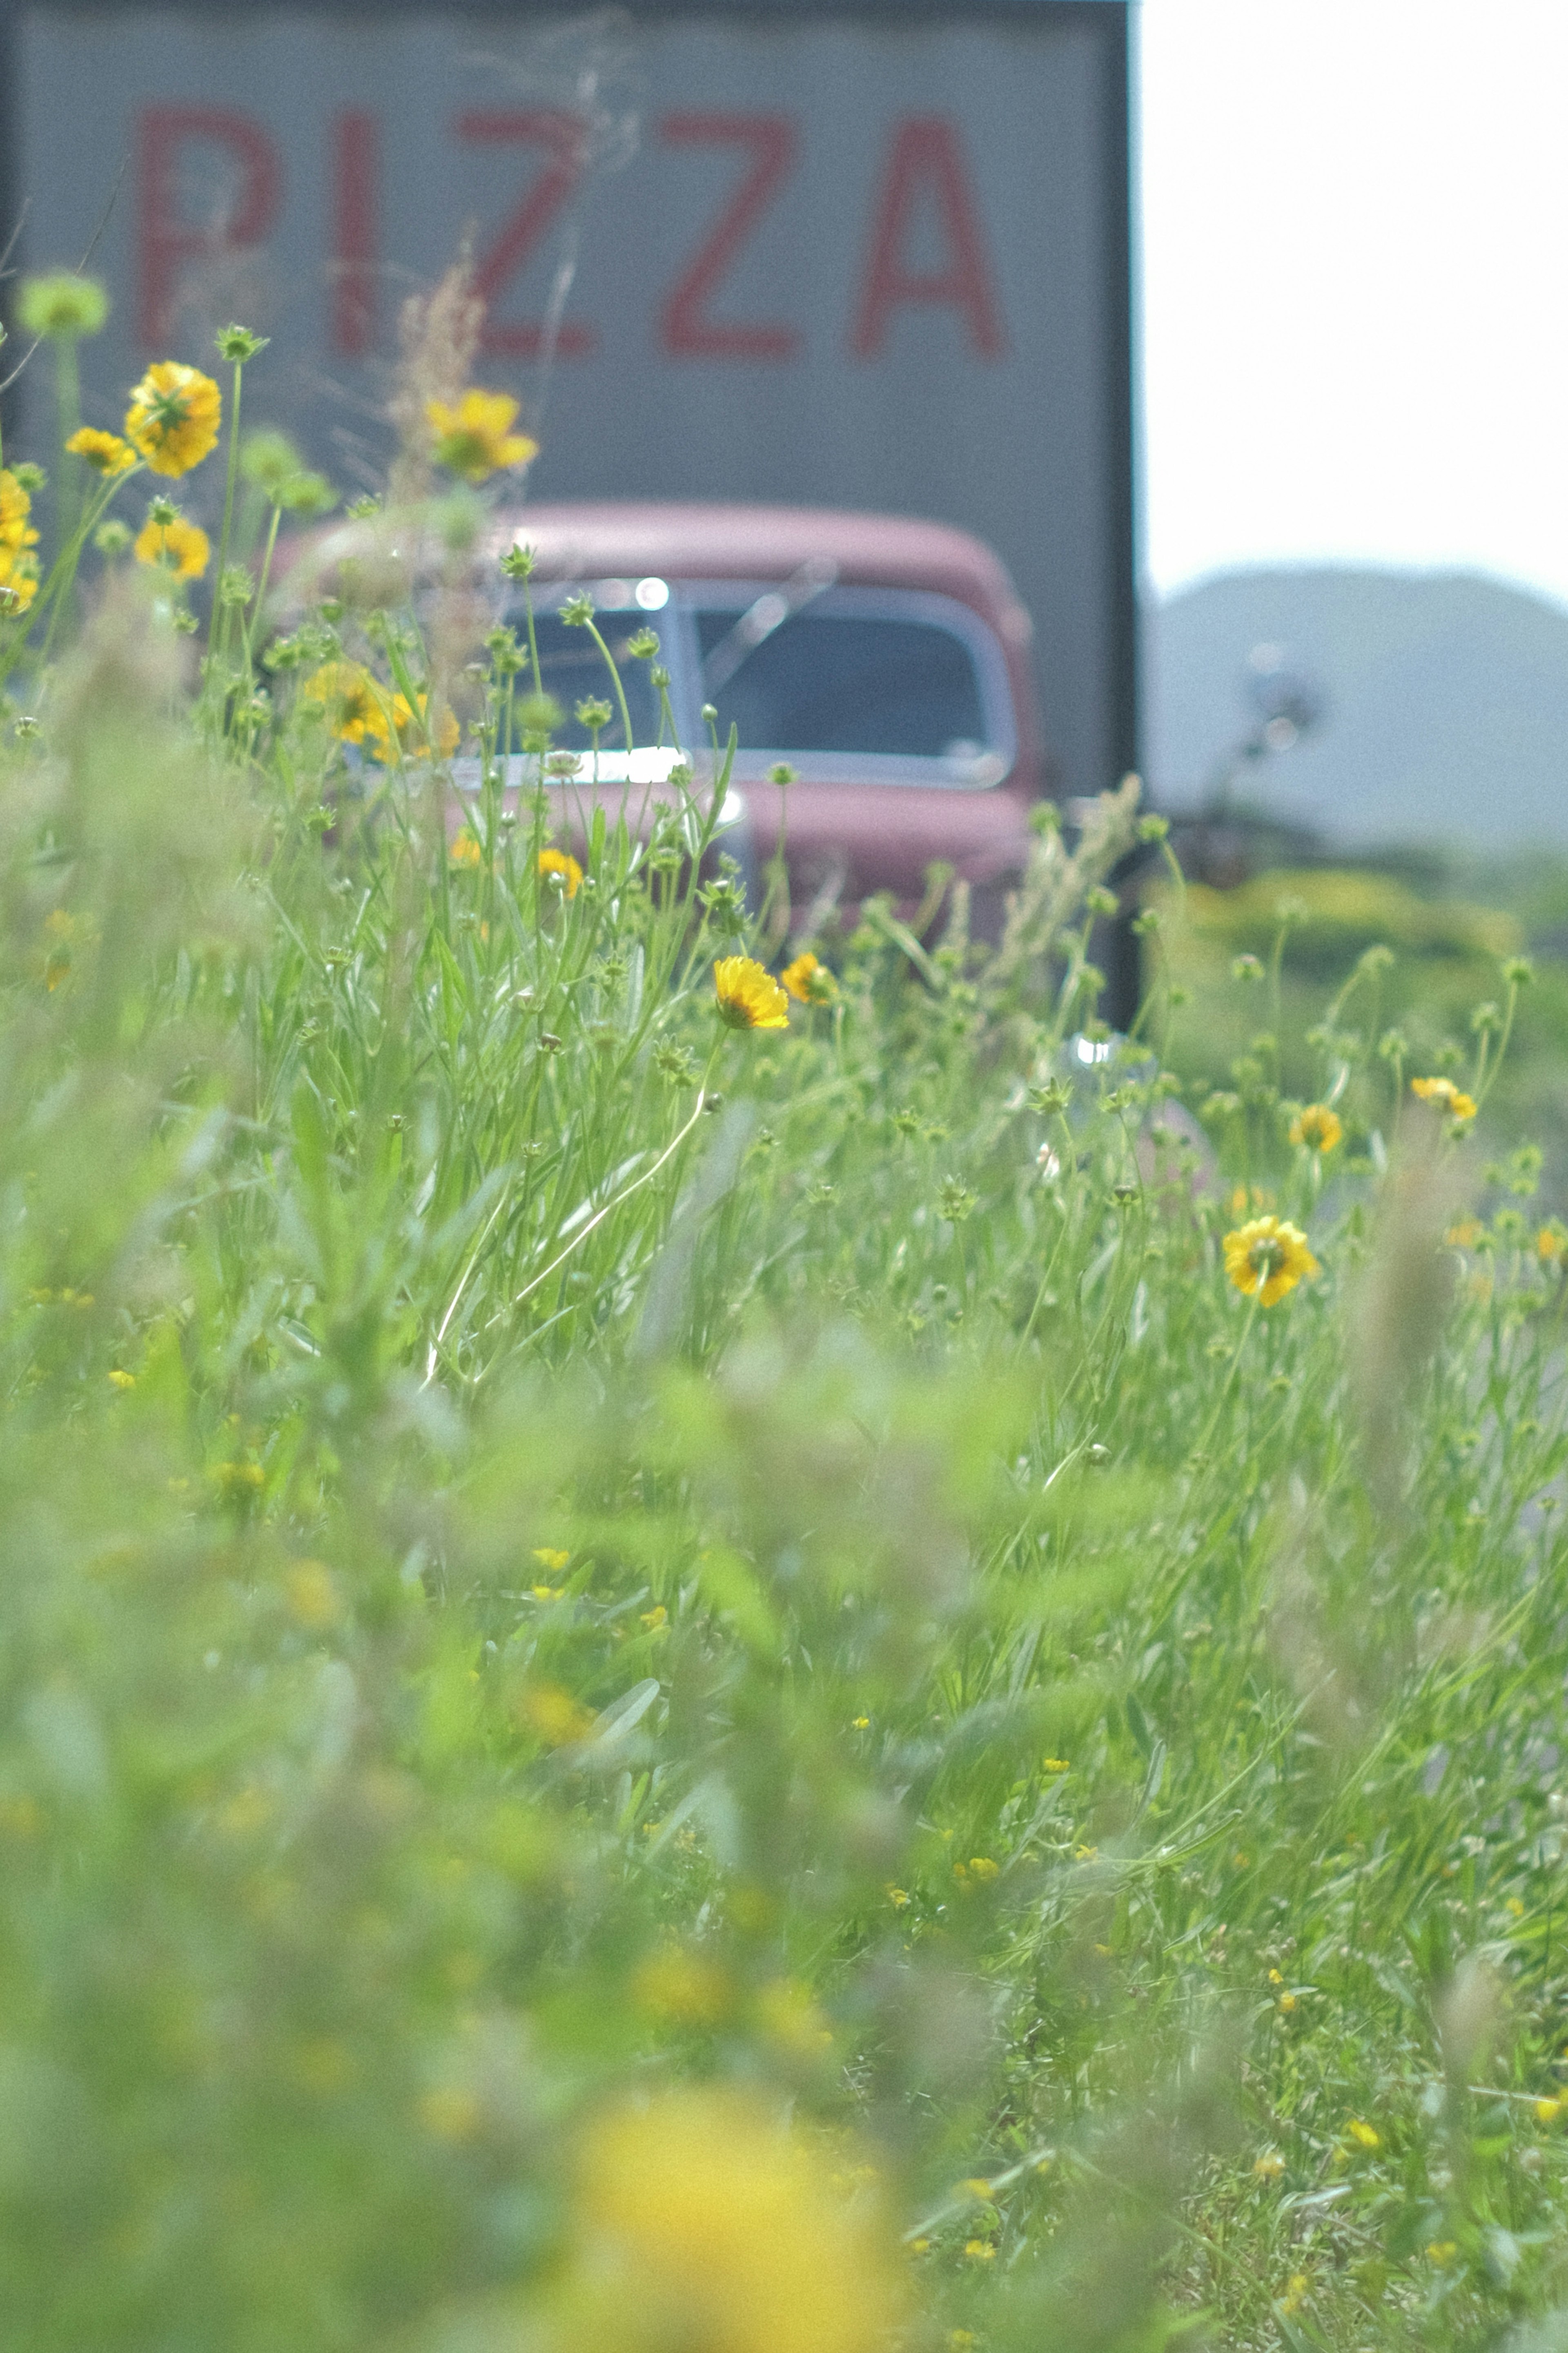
(885, 662)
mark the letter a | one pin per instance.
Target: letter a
(925, 159)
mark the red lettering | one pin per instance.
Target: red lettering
(354, 159)
(523, 229)
(926, 161)
(165, 239)
(685, 327)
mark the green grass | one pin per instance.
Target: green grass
(679, 1689)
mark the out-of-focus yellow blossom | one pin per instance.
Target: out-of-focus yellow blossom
(106, 453)
(685, 1989)
(553, 862)
(180, 548)
(748, 996)
(1317, 1127)
(788, 2017)
(173, 417)
(412, 726)
(1445, 1096)
(704, 2221)
(1270, 2166)
(475, 438)
(1365, 2134)
(554, 1715)
(357, 709)
(550, 1557)
(1266, 1258)
(1465, 1234)
(808, 981)
(466, 850)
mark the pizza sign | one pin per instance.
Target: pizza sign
(771, 254)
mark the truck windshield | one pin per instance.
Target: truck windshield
(572, 668)
(832, 680)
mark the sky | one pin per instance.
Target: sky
(1355, 298)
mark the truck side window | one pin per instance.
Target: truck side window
(832, 681)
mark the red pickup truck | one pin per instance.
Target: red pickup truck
(885, 660)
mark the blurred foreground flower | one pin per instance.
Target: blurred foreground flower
(475, 438)
(18, 569)
(62, 306)
(1268, 1257)
(351, 700)
(808, 981)
(175, 546)
(412, 722)
(704, 2222)
(1445, 1096)
(173, 416)
(1317, 1127)
(748, 996)
(106, 453)
(561, 862)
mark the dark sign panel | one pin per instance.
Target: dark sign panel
(857, 260)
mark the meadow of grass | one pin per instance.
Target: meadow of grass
(699, 1689)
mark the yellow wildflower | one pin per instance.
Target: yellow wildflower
(173, 417)
(106, 453)
(1287, 2003)
(704, 2221)
(1465, 1234)
(561, 862)
(1317, 1127)
(808, 981)
(685, 1988)
(748, 996)
(18, 569)
(1365, 2134)
(1268, 1257)
(1270, 2166)
(180, 548)
(1275, 1978)
(121, 1380)
(1056, 1765)
(1446, 1096)
(861, 1724)
(554, 1715)
(354, 704)
(409, 720)
(979, 2250)
(466, 850)
(789, 2018)
(656, 1619)
(312, 1595)
(1548, 2111)
(18, 582)
(475, 438)
(981, 1867)
(550, 1557)
(898, 1897)
(1295, 2293)
(15, 506)
(1442, 2251)
(1551, 1245)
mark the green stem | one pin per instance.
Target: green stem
(231, 477)
(620, 693)
(68, 398)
